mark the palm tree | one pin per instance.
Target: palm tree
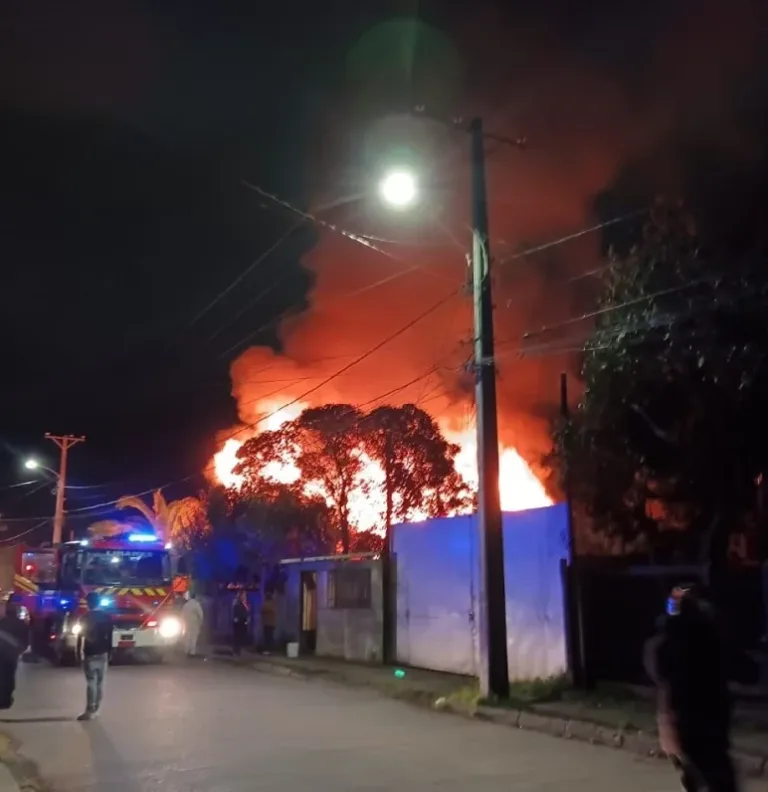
(180, 521)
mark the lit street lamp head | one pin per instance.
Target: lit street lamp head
(31, 464)
(398, 189)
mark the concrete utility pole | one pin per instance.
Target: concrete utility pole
(494, 677)
(64, 442)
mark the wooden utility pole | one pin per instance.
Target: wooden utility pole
(494, 678)
(64, 442)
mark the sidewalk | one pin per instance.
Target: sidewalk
(607, 718)
(16, 773)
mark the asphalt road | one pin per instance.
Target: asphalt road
(212, 728)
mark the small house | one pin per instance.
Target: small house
(333, 606)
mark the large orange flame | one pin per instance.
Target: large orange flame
(519, 487)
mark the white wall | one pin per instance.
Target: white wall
(438, 593)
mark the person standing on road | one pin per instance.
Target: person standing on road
(192, 615)
(94, 649)
(14, 639)
(268, 621)
(686, 660)
(241, 622)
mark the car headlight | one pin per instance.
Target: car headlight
(76, 628)
(23, 613)
(170, 627)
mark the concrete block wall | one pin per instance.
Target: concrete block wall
(348, 634)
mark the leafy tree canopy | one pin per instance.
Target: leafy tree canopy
(672, 425)
(331, 449)
(183, 521)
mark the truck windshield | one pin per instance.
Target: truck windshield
(126, 568)
(39, 566)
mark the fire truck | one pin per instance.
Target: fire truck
(131, 573)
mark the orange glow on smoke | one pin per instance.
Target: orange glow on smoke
(520, 489)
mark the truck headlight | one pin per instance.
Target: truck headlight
(76, 628)
(170, 627)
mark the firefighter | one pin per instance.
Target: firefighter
(686, 660)
(192, 614)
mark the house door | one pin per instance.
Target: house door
(308, 636)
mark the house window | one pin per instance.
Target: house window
(349, 588)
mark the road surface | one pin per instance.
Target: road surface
(206, 727)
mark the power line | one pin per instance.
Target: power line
(606, 333)
(375, 348)
(92, 510)
(244, 274)
(317, 308)
(610, 308)
(570, 237)
(23, 533)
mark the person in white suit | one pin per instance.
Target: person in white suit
(192, 614)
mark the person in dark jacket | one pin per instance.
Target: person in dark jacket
(94, 649)
(14, 639)
(241, 622)
(686, 660)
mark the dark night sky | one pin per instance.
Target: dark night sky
(126, 129)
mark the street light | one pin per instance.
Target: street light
(34, 464)
(398, 189)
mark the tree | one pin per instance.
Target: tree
(328, 452)
(418, 463)
(366, 542)
(670, 429)
(280, 521)
(183, 522)
(324, 444)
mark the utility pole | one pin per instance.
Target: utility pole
(494, 677)
(575, 616)
(64, 442)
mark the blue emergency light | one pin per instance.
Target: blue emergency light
(105, 602)
(142, 537)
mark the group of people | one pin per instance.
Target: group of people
(686, 659)
(95, 641)
(241, 622)
(193, 617)
(94, 647)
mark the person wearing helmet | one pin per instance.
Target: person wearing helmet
(686, 661)
(94, 648)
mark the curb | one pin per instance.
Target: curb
(640, 743)
(24, 772)
(644, 744)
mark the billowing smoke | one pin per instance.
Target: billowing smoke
(589, 96)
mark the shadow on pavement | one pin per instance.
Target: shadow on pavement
(51, 719)
(108, 765)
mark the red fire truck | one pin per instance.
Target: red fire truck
(131, 573)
